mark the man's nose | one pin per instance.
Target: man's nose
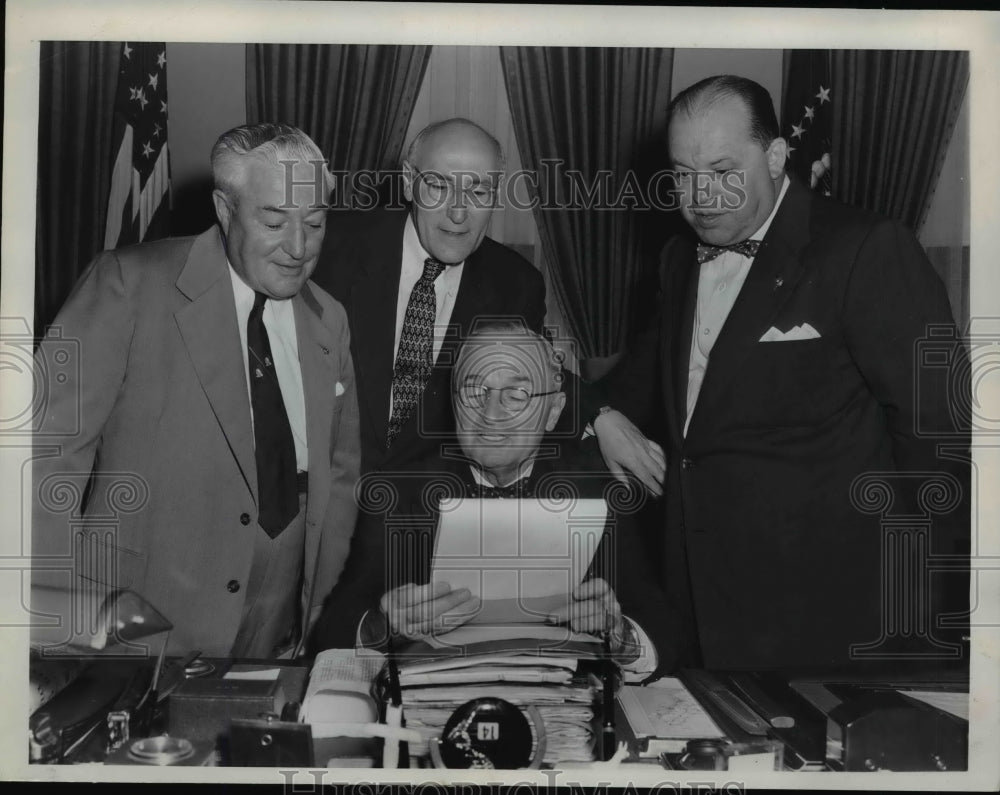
(492, 409)
(459, 208)
(295, 241)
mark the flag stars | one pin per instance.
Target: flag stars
(134, 92)
(142, 99)
(127, 51)
(810, 112)
(163, 106)
(823, 95)
(161, 59)
(790, 150)
(147, 150)
(157, 129)
(797, 131)
(153, 80)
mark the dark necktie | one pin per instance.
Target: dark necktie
(414, 359)
(275, 449)
(748, 248)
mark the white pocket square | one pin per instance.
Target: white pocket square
(802, 332)
(338, 390)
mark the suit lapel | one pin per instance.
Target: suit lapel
(373, 323)
(208, 327)
(683, 295)
(316, 345)
(772, 278)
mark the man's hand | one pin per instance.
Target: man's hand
(625, 448)
(416, 611)
(595, 609)
(593, 601)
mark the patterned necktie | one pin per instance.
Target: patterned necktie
(414, 360)
(275, 449)
(748, 248)
(518, 489)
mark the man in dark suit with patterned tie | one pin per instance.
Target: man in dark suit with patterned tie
(507, 398)
(416, 280)
(785, 363)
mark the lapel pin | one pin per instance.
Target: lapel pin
(778, 282)
(326, 351)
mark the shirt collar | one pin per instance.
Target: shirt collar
(525, 471)
(245, 294)
(759, 234)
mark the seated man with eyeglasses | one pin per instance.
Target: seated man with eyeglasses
(506, 397)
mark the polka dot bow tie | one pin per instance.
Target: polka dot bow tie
(748, 248)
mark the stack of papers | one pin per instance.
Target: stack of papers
(524, 673)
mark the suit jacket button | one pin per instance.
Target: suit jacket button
(686, 463)
(244, 519)
(233, 586)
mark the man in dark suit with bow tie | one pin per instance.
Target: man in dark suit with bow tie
(785, 364)
(507, 397)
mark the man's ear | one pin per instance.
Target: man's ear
(777, 154)
(223, 210)
(409, 177)
(556, 409)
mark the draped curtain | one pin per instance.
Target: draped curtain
(353, 100)
(598, 111)
(77, 86)
(893, 115)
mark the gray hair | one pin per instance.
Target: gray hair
(270, 141)
(413, 151)
(515, 331)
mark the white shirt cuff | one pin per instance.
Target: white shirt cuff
(646, 662)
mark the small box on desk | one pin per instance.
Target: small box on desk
(201, 709)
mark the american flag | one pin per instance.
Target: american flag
(138, 203)
(808, 118)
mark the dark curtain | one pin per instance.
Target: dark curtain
(601, 112)
(77, 85)
(353, 100)
(893, 115)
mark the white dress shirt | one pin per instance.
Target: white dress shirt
(719, 283)
(279, 320)
(445, 290)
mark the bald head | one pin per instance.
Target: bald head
(452, 178)
(452, 134)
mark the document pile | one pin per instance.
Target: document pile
(541, 670)
(521, 559)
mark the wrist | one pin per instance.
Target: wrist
(600, 414)
(625, 643)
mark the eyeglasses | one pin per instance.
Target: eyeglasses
(513, 399)
(440, 190)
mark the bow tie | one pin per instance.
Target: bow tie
(748, 248)
(517, 489)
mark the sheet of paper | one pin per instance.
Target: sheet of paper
(666, 709)
(520, 557)
(956, 704)
(482, 633)
(261, 675)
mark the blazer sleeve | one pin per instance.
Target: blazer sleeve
(914, 363)
(80, 368)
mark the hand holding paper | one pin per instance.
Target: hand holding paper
(416, 611)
